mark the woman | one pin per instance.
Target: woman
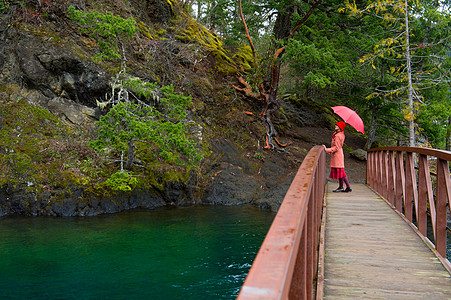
(337, 161)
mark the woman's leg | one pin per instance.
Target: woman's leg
(346, 181)
(348, 186)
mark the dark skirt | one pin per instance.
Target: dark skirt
(337, 173)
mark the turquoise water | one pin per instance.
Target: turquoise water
(183, 253)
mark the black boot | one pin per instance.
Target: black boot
(348, 189)
(340, 189)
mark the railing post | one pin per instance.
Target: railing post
(443, 198)
(369, 164)
(379, 171)
(411, 188)
(391, 178)
(384, 178)
(400, 187)
(298, 284)
(423, 175)
(311, 228)
(373, 179)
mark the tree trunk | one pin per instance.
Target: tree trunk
(212, 15)
(372, 131)
(448, 135)
(268, 89)
(131, 154)
(199, 9)
(410, 85)
(281, 30)
(282, 26)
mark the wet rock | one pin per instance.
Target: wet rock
(271, 198)
(228, 153)
(174, 192)
(65, 207)
(147, 201)
(231, 187)
(54, 72)
(73, 203)
(67, 110)
(273, 170)
(359, 154)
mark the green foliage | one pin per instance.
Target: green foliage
(326, 72)
(160, 126)
(410, 54)
(4, 5)
(109, 30)
(223, 17)
(141, 88)
(16, 167)
(26, 135)
(121, 181)
(433, 117)
(259, 155)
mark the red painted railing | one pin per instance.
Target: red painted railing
(416, 182)
(286, 264)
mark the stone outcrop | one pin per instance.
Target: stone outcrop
(41, 69)
(50, 76)
(75, 201)
(236, 182)
(359, 154)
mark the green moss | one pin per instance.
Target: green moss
(144, 30)
(149, 32)
(121, 181)
(347, 148)
(194, 32)
(35, 147)
(244, 57)
(44, 34)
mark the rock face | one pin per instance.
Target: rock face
(75, 202)
(45, 72)
(236, 181)
(155, 11)
(359, 154)
(233, 186)
(51, 76)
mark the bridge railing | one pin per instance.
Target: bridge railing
(417, 183)
(286, 264)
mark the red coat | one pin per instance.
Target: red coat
(337, 159)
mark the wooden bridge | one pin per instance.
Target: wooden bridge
(384, 240)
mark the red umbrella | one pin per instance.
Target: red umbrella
(350, 117)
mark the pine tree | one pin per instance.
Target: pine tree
(402, 54)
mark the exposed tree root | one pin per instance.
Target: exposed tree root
(268, 95)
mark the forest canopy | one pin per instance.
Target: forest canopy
(388, 60)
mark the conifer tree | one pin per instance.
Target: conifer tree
(403, 55)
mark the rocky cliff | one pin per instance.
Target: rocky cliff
(49, 65)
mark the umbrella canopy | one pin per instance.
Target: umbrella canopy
(350, 117)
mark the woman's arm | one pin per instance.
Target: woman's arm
(337, 143)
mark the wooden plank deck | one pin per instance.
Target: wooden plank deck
(372, 253)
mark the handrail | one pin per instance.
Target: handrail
(286, 263)
(391, 172)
